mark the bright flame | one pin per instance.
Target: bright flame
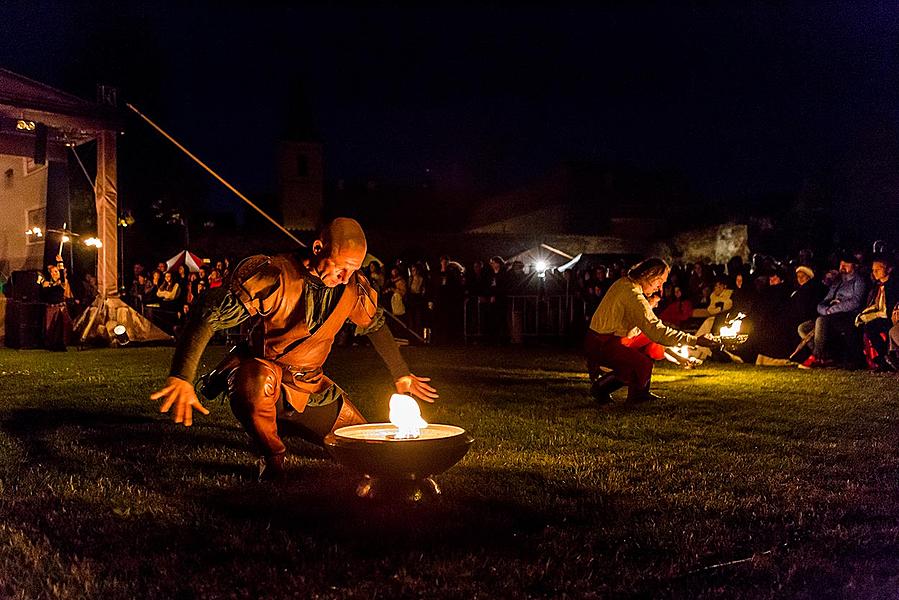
(65, 239)
(732, 330)
(405, 414)
(96, 243)
(35, 231)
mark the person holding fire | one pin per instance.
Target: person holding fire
(301, 302)
(626, 336)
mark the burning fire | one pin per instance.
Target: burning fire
(680, 355)
(733, 329)
(405, 414)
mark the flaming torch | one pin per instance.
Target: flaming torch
(399, 458)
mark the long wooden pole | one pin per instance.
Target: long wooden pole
(213, 173)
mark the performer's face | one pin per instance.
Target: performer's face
(335, 267)
(654, 284)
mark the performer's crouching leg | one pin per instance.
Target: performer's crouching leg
(638, 379)
(254, 388)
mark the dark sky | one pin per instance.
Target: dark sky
(743, 99)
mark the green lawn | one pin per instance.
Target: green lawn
(790, 476)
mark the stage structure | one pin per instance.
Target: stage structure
(42, 126)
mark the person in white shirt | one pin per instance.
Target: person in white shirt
(622, 321)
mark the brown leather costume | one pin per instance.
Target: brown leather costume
(284, 386)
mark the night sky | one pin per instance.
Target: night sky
(741, 100)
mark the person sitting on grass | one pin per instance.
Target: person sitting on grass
(625, 334)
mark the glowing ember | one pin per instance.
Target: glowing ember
(406, 416)
(733, 329)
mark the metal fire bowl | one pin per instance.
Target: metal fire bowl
(732, 342)
(398, 467)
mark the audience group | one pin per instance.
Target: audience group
(840, 311)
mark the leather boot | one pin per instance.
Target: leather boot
(271, 468)
(602, 388)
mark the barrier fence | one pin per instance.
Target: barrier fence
(519, 317)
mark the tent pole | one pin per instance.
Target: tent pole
(213, 173)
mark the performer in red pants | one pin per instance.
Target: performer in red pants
(625, 335)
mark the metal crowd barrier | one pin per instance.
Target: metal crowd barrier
(524, 316)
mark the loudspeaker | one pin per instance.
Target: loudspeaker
(25, 287)
(40, 144)
(25, 324)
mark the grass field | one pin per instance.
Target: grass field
(745, 483)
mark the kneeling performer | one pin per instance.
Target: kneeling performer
(302, 300)
(624, 333)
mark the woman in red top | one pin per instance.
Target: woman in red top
(679, 311)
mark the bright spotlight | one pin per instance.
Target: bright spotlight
(121, 334)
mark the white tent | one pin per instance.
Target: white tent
(186, 258)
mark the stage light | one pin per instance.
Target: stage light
(121, 334)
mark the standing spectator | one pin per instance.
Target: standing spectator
(449, 296)
(377, 275)
(497, 289)
(168, 292)
(397, 289)
(140, 290)
(215, 279)
(54, 292)
(417, 298)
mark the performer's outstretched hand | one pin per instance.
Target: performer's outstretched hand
(417, 386)
(707, 341)
(181, 395)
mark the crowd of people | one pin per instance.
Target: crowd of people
(840, 310)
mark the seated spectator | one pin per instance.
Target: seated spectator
(875, 320)
(719, 304)
(168, 292)
(834, 328)
(678, 311)
(772, 331)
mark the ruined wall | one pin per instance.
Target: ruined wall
(717, 243)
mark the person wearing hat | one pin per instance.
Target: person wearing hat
(835, 323)
(805, 297)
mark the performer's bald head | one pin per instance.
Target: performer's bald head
(339, 251)
(344, 233)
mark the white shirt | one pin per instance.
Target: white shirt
(625, 312)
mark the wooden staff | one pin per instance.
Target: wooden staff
(213, 173)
